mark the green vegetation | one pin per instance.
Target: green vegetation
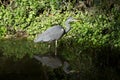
(88, 46)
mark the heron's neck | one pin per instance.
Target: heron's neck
(67, 26)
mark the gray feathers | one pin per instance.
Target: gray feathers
(53, 33)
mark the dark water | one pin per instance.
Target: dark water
(23, 69)
(30, 69)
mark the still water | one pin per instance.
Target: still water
(29, 69)
(22, 69)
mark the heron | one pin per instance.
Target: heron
(54, 33)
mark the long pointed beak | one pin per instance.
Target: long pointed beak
(77, 20)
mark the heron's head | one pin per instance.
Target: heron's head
(71, 19)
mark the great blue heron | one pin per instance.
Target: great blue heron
(54, 33)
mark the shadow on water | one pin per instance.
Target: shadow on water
(28, 69)
(107, 63)
(15, 65)
(101, 63)
(24, 69)
(94, 63)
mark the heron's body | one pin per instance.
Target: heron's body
(53, 33)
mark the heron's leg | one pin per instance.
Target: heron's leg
(50, 48)
(49, 45)
(55, 47)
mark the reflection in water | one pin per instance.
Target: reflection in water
(54, 62)
(29, 69)
(50, 61)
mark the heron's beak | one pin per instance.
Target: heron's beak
(76, 20)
